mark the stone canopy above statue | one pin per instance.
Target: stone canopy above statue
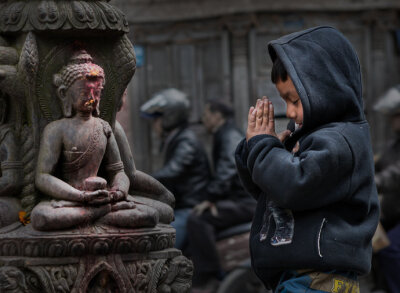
(61, 16)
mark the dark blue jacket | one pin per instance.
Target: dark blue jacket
(329, 183)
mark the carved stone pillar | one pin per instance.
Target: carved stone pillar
(37, 38)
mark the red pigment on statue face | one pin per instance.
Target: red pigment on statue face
(92, 86)
(94, 71)
(90, 102)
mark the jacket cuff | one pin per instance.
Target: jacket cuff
(241, 153)
(255, 139)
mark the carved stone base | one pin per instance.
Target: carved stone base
(92, 259)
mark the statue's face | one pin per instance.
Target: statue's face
(85, 94)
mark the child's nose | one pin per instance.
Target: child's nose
(290, 113)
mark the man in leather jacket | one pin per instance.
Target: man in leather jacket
(387, 179)
(186, 170)
(226, 204)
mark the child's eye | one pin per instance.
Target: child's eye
(295, 102)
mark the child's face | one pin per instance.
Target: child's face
(294, 108)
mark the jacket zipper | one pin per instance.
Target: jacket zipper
(319, 237)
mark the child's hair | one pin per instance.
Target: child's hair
(278, 72)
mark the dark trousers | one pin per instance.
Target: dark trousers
(318, 282)
(202, 232)
(389, 260)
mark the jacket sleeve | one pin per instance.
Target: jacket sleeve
(318, 176)
(224, 169)
(182, 157)
(241, 156)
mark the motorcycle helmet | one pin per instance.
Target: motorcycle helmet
(389, 103)
(170, 104)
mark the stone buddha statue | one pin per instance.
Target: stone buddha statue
(79, 166)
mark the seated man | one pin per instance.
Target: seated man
(74, 151)
(226, 204)
(143, 186)
(387, 178)
(185, 171)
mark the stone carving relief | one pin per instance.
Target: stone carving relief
(61, 15)
(28, 68)
(176, 276)
(163, 275)
(140, 275)
(57, 279)
(11, 169)
(103, 278)
(69, 245)
(12, 279)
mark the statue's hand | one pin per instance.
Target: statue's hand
(64, 204)
(117, 195)
(122, 205)
(98, 197)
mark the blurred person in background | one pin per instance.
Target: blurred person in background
(141, 184)
(226, 204)
(185, 170)
(387, 178)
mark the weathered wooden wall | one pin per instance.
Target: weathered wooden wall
(145, 11)
(211, 49)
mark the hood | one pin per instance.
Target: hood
(325, 70)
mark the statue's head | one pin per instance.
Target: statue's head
(79, 85)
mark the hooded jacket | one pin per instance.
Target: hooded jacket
(329, 183)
